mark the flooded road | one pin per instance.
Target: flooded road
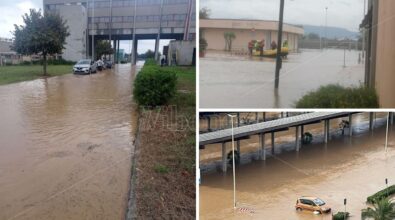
(344, 168)
(66, 145)
(240, 82)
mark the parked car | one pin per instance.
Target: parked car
(100, 65)
(313, 204)
(108, 64)
(85, 66)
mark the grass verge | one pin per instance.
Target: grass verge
(13, 74)
(165, 170)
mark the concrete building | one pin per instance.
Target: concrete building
(181, 53)
(379, 26)
(116, 20)
(246, 30)
(8, 56)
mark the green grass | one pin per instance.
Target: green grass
(159, 168)
(186, 77)
(336, 96)
(13, 74)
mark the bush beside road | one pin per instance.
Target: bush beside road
(165, 153)
(13, 74)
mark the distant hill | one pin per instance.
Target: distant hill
(332, 32)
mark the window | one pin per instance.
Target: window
(117, 19)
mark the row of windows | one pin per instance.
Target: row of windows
(130, 3)
(139, 18)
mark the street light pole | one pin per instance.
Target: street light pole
(279, 45)
(386, 135)
(233, 161)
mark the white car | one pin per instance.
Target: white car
(86, 66)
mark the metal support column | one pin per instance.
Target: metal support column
(208, 123)
(297, 138)
(262, 144)
(256, 117)
(118, 52)
(272, 143)
(264, 116)
(224, 158)
(350, 122)
(370, 121)
(238, 146)
(326, 131)
(238, 119)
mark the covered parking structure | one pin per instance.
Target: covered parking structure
(271, 127)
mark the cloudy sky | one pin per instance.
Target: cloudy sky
(341, 13)
(11, 12)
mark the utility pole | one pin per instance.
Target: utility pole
(93, 30)
(363, 33)
(158, 36)
(326, 27)
(279, 45)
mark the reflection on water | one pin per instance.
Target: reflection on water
(351, 168)
(65, 146)
(241, 82)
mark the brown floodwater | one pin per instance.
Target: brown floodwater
(351, 168)
(240, 82)
(66, 145)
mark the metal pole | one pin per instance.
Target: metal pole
(234, 170)
(344, 58)
(134, 35)
(363, 32)
(159, 30)
(386, 135)
(93, 29)
(279, 45)
(326, 27)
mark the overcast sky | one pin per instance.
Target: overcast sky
(11, 12)
(341, 13)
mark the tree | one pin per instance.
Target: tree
(383, 209)
(204, 13)
(45, 35)
(229, 37)
(103, 48)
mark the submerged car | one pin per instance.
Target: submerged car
(86, 66)
(313, 204)
(108, 64)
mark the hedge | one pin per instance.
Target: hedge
(154, 85)
(341, 215)
(336, 96)
(381, 194)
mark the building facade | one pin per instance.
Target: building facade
(379, 26)
(116, 20)
(213, 31)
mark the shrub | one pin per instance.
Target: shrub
(202, 44)
(154, 86)
(150, 62)
(340, 216)
(381, 194)
(336, 96)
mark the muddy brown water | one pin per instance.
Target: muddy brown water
(240, 82)
(344, 168)
(66, 145)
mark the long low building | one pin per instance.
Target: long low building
(213, 31)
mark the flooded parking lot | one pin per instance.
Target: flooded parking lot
(237, 81)
(351, 168)
(66, 145)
